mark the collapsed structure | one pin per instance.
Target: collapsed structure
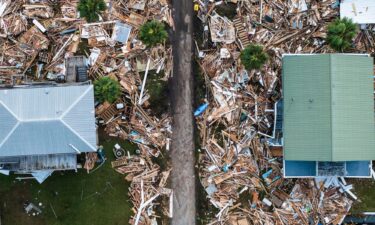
(291, 118)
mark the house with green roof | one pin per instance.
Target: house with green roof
(328, 122)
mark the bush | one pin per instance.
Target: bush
(107, 89)
(152, 33)
(340, 34)
(90, 9)
(253, 57)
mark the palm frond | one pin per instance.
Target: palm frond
(90, 9)
(152, 33)
(106, 89)
(253, 57)
(341, 33)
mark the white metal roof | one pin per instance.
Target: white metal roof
(47, 120)
(360, 11)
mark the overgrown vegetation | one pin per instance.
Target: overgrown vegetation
(152, 33)
(228, 10)
(365, 191)
(158, 91)
(341, 33)
(106, 89)
(90, 9)
(253, 57)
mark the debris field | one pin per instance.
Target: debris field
(240, 170)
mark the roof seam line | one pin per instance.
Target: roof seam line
(74, 103)
(10, 134)
(77, 134)
(10, 111)
(330, 104)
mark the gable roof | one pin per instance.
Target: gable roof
(47, 120)
(328, 107)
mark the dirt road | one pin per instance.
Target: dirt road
(182, 149)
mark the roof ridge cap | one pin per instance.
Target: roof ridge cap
(331, 103)
(66, 112)
(77, 134)
(10, 111)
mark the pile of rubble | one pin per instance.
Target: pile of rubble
(243, 179)
(40, 40)
(147, 184)
(240, 172)
(147, 181)
(129, 118)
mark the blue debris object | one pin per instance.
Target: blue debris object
(335, 4)
(135, 136)
(201, 109)
(266, 174)
(68, 31)
(101, 154)
(225, 168)
(275, 179)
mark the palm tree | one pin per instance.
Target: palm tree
(253, 57)
(152, 33)
(107, 89)
(341, 33)
(90, 9)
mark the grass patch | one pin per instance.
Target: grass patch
(103, 201)
(365, 191)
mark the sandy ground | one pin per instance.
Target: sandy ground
(182, 149)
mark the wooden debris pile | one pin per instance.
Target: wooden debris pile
(38, 37)
(241, 174)
(242, 191)
(147, 184)
(147, 181)
(126, 59)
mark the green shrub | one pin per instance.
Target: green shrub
(90, 9)
(107, 89)
(253, 57)
(341, 33)
(152, 33)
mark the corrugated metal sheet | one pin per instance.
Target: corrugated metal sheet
(7, 122)
(81, 118)
(66, 118)
(42, 102)
(353, 126)
(307, 116)
(360, 11)
(328, 108)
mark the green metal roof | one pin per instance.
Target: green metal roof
(328, 107)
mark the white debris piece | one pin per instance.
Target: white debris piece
(360, 11)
